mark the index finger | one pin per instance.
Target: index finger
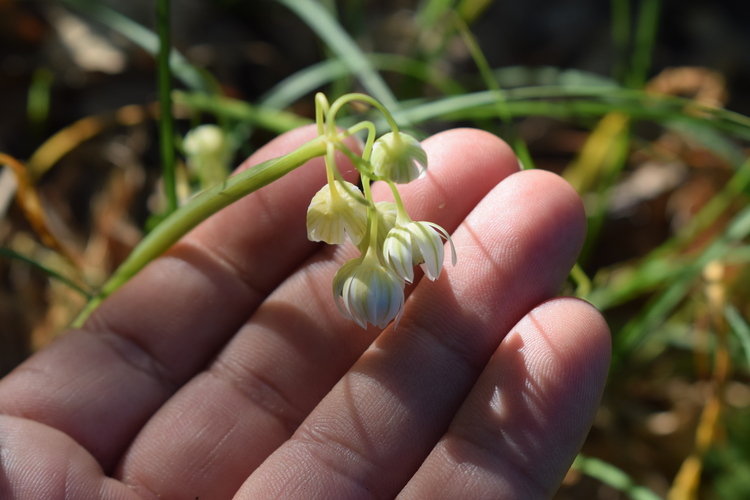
(101, 383)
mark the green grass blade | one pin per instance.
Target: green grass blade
(340, 43)
(710, 139)
(645, 36)
(235, 109)
(314, 77)
(191, 76)
(432, 11)
(614, 477)
(501, 105)
(660, 265)
(470, 10)
(38, 103)
(740, 328)
(658, 309)
(166, 119)
(620, 10)
(579, 101)
(11, 254)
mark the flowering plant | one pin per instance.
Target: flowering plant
(367, 289)
(370, 288)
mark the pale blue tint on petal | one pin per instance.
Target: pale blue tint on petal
(340, 281)
(369, 293)
(398, 253)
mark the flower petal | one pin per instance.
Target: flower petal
(430, 246)
(398, 253)
(332, 216)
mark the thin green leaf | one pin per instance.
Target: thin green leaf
(166, 119)
(620, 19)
(39, 96)
(432, 11)
(658, 309)
(710, 139)
(340, 43)
(645, 36)
(614, 477)
(234, 109)
(580, 101)
(314, 77)
(11, 254)
(740, 328)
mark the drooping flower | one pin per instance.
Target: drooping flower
(398, 157)
(367, 292)
(333, 214)
(411, 243)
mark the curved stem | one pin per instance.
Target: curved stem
(200, 208)
(341, 101)
(371, 133)
(321, 108)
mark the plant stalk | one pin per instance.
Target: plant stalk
(200, 208)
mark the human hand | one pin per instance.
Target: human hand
(225, 369)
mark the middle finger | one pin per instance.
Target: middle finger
(226, 421)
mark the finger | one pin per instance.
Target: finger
(223, 424)
(39, 462)
(370, 434)
(523, 423)
(101, 383)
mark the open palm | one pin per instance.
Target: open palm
(224, 369)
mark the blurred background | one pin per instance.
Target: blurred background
(641, 105)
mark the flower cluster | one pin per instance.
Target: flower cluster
(370, 288)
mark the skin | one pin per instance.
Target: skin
(224, 370)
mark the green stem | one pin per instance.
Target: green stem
(321, 108)
(200, 208)
(341, 101)
(371, 237)
(166, 121)
(371, 134)
(402, 216)
(582, 281)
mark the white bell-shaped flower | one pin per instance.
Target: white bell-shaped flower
(367, 292)
(333, 214)
(398, 157)
(413, 243)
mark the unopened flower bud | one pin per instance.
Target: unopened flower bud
(367, 292)
(398, 157)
